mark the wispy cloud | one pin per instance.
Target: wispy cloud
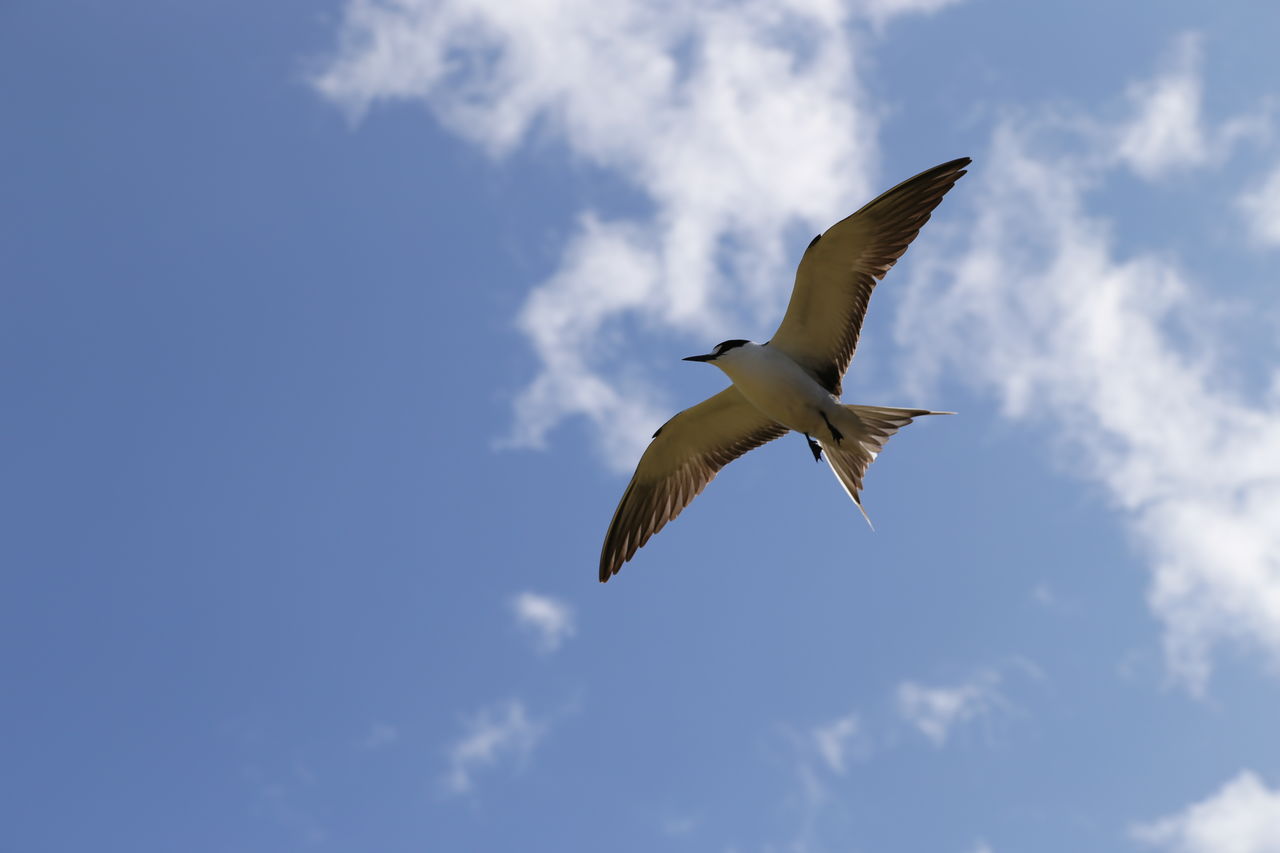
(936, 711)
(835, 741)
(549, 620)
(881, 12)
(496, 734)
(700, 107)
(1037, 306)
(823, 758)
(816, 756)
(1260, 208)
(1167, 131)
(1242, 817)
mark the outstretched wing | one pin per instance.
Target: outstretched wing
(841, 267)
(686, 453)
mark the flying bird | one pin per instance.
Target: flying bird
(791, 382)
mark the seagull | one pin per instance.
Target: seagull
(791, 382)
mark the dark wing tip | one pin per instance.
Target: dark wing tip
(918, 195)
(611, 559)
(614, 553)
(952, 165)
(950, 172)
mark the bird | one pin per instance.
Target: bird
(792, 382)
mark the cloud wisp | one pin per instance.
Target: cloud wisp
(937, 711)
(1243, 816)
(548, 620)
(501, 733)
(825, 756)
(700, 107)
(1037, 306)
(836, 741)
(1167, 132)
(1260, 209)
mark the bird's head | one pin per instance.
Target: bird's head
(719, 350)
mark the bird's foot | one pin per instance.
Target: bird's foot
(835, 433)
(814, 447)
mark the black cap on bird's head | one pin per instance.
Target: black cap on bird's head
(720, 349)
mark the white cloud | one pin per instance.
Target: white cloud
(1242, 817)
(494, 734)
(737, 121)
(880, 12)
(936, 711)
(835, 741)
(824, 756)
(816, 755)
(550, 620)
(1037, 306)
(1261, 210)
(1167, 132)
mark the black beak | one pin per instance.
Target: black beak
(707, 357)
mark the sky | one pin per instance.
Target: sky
(332, 331)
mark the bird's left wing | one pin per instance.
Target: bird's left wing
(685, 454)
(841, 267)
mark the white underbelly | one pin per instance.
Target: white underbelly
(786, 393)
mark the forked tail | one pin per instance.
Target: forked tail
(863, 442)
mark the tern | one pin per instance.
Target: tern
(791, 382)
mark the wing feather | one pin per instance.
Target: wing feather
(841, 267)
(686, 453)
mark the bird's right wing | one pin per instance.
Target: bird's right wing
(841, 267)
(686, 453)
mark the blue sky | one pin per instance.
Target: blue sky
(332, 331)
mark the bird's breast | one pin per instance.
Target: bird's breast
(781, 389)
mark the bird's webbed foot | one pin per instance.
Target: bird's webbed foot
(814, 448)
